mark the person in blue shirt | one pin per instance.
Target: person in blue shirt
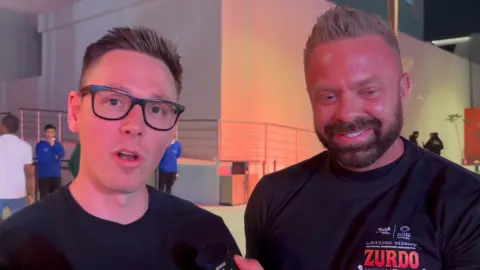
(49, 153)
(168, 168)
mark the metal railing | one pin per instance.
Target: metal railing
(32, 122)
(271, 145)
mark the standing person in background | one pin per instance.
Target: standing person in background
(49, 153)
(168, 168)
(17, 174)
(74, 162)
(414, 137)
(434, 144)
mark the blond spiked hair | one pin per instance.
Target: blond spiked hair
(342, 22)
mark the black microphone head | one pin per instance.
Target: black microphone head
(184, 255)
(215, 256)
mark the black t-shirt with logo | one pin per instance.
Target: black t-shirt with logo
(57, 234)
(420, 212)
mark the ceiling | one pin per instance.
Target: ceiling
(34, 6)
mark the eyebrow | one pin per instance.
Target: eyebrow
(367, 81)
(359, 84)
(323, 87)
(125, 89)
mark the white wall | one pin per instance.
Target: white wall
(262, 68)
(194, 25)
(441, 86)
(19, 46)
(263, 80)
(18, 94)
(248, 54)
(476, 83)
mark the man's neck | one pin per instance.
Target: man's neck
(393, 153)
(119, 208)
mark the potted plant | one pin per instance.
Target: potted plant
(455, 119)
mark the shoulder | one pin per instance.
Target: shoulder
(27, 146)
(190, 224)
(449, 174)
(40, 144)
(455, 190)
(274, 190)
(290, 177)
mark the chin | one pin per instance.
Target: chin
(123, 186)
(358, 159)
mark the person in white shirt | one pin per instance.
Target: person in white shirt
(16, 169)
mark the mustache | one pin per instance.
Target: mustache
(355, 125)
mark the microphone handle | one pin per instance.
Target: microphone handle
(227, 264)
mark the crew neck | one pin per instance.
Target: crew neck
(373, 181)
(81, 212)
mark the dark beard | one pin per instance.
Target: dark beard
(362, 155)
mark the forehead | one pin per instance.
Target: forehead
(352, 60)
(139, 74)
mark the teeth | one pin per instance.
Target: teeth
(352, 135)
(127, 156)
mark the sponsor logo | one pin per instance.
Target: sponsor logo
(384, 230)
(404, 233)
(391, 258)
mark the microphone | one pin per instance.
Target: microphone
(216, 256)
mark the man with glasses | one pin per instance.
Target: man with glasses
(125, 114)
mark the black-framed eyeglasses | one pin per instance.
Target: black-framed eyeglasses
(113, 104)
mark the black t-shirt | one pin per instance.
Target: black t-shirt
(56, 233)
(420, 212)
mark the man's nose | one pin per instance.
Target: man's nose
(133, 123)
(348, 109)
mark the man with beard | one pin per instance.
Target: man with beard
(373, 200)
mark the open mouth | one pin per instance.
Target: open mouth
(128, 156)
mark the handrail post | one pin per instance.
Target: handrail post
(219, 141)
(22, 119)
(266, 144)
(38, 125)
(59, 135)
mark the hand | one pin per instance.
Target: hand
(246, 264)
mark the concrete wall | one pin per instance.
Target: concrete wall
(441, 86)
(243, 62)
(19, 93)
(20, 46)
(194, 25)
(263, 80)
